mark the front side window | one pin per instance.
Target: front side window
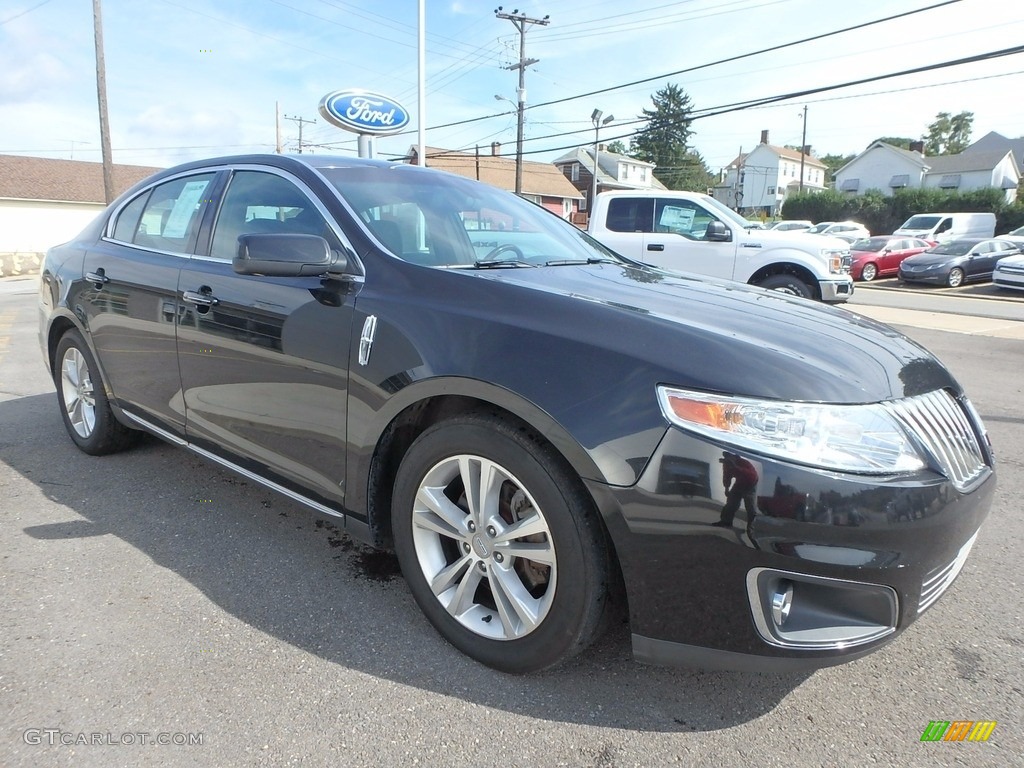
(256, 203)
(167, 217)
(682, 217)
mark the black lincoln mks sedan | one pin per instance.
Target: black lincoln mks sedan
(541, 429)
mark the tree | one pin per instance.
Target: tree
(897, 141)
(833, 163)
(617, 148)
(949, 134)
(664, 140)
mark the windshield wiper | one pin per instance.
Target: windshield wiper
(498, 263)
(571, 262)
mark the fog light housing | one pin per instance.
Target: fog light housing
(782, 601)
(795, 610)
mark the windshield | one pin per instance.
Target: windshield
(1017, 231)
(724, 212)
(954, 248)
(441, 220)
(819, 228)
(870, 244)
(921, 222)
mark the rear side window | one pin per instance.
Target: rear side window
(167, 217)
(631, 214)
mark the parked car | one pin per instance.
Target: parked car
(847, 230)
(790, 225)
(1015, 236)
(881, 256)
(532, 422)
(751, 224)
(956, 262)
(1009, 273)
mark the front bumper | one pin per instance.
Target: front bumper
(865, 553)
(1005, 278)
(939, 275)
(837, 290)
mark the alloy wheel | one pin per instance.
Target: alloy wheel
(485, 547)
(77, 391)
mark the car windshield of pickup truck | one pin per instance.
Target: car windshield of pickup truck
(446, 221)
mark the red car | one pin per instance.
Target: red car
(881, 256)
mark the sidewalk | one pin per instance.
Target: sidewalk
(19, 264)
(941, 321)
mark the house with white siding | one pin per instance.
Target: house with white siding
(759, 181)
(887, 168)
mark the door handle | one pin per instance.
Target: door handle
(202, 297)
(97, 278)
(656, 247)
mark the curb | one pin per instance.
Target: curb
(20, 264)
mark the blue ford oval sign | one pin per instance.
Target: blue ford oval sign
(363, 112)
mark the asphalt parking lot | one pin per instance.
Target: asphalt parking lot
(151, 596)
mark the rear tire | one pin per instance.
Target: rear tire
(794, 286)
(500, 544)
(83, 400)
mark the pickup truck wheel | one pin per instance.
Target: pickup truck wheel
(499, 545)
(869, 273)
(794, 286)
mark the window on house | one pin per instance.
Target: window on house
(575, 172)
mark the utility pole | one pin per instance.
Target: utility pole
(101, 96)
(803, 150)
(300, 121)
(521, 22)
(277, 126)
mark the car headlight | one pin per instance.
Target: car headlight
(847, 438)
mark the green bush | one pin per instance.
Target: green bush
(882, 214)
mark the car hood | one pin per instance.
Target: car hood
(799, 239)
(729, 337)
(932, 259)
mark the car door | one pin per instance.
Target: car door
(264, 360)
(982, 261)
(890, 257)
(676, 240)
(129, 295)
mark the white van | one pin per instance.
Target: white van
(943, 227)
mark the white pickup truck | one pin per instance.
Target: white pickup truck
(691, 232)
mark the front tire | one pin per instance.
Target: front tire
(794, 286)
(955, 278)
(500, 545)
(869, 273)
(83, 399)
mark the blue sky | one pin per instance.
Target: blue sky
(199, 78)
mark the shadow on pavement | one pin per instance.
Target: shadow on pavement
(285, 572)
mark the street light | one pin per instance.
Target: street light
(595, 118)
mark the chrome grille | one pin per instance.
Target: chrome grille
(938, 581)
(942, 426)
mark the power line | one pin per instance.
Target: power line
(727, 60)
(27, 10)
